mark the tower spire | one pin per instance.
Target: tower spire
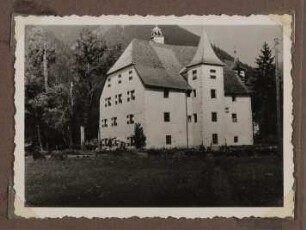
(205, 53)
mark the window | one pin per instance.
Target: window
(114, 121)
(130, 119)
(213, 93)
(215, 138)
(104, 123)
(214, 117)
(132, 94)
(195, 117)
(234, 117)
(119, 79)
(194, 74)
(109, 85)
(188, 93)
(166, 93)
(189, 118)
(168, 140)
(120, 98)
(131, 140)
(166, 116)
(108, 101)
(212, 75)
(130, 75)
(226, 109)
(235, 139)
(109, 79)
(194, 93)
(233, 98)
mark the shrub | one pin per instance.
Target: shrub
(140, 138)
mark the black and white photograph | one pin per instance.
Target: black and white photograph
(154, 113)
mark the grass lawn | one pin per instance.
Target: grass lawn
(173, 181)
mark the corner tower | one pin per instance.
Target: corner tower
(206, 101)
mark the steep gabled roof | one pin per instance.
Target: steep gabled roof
(205, 53)
(159, 65)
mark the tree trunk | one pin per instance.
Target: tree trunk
(82, 136)
(39, 137)
(45, 68)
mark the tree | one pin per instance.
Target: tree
(140, 138)
(91, 60)
(264, 94)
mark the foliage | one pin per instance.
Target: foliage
(140, 138)
(264, 94)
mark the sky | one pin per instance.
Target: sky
(247, 40)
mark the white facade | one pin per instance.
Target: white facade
(202, 115)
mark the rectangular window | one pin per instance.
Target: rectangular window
(226, 109)
(212, 70)
(130, 75)
(133, 95)
(166, 116)
(189, 118)
(130, 119)
(194, 74)
(214, 117)
(104, 123)
(233, 98)
(166, 93)
(194, 93)
(114, 121)
(234, 117)
(119, 79)
(188, 93)
(213, 93)
(195, 117)
(168, 139)
(215, 138)
(235, 139)
(120, 98)
(213, 77)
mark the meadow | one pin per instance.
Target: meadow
(144, 180)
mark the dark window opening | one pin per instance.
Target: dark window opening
(235, 139)
(212, 70)
(166, 116)
(194, 74)
(120, 98)
(233, 98)
(188, 93)
(195, 117)
(234, 117)
(214, 117)
(114, 121)
(213, 93)
(168, 139)
(130, 119)
(215, 138)
(189, 118)
(166, 93)
(213, 76)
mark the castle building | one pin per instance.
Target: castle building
(182, 96)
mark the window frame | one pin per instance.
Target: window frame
(167, 117)
(234, 117)
(215, 139)
(168, 140)
(194, 74)
(214, 116)
(213, 93)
